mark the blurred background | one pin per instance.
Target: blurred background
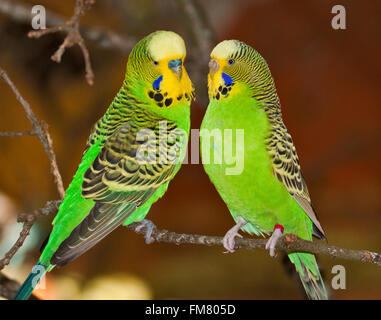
(329, 86)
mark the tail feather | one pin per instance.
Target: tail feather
(306, 265)
(31, 282)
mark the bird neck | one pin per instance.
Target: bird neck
(264, 92)
(138, 94)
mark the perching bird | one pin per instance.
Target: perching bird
(133, 152)
(266, 192)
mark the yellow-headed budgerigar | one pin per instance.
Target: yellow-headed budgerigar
(270, 194)
(132, 154)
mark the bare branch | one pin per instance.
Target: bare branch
(288, 243)
(28, 220)
(202, 31)
(49, 208)
(20, 241)
(73, 36)
(41, 130)
(17, 134)
(204, 37)
(20, 12)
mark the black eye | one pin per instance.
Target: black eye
(155, 63)
(231, 61)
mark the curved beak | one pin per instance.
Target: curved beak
(176, 67)
(213, 66)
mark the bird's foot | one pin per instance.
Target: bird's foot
(148, 225)
(229, 238)
(276, 235)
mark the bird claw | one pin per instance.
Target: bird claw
(273, 240)
(149, 226)
(229, 241)
(229, 238)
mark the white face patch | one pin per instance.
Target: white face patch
(224, 49)
(166, 44)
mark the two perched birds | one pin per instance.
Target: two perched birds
(137, 148)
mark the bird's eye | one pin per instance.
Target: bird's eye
(155, 63)
(231, 62)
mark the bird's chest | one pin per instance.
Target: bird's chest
(239, 164)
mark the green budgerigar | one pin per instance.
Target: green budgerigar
(133, 152)
(268, 195)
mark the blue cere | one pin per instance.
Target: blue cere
(228, 79)
(174, 63)
(156, 83)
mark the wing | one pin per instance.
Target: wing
(286, 168)
(136, 160)
(133, 163)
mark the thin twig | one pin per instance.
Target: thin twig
(17, 133)
(73, 36)
(204, 37)
(200, 31)
(41, 130)
(21, 13)
(28, 220)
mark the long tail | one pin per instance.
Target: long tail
(31, 282)
(306, 265)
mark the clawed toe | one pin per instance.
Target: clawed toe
(149, 226)
(273, 240)
(229, 242)
(229, 238)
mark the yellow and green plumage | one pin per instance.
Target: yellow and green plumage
(133, 152)
(270, 191)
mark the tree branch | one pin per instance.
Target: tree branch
(28, 220)
(17, 133)
(103, 38)
(200, 31)
(204, 37)
(288, 243)
(73, 36)
(40, 129)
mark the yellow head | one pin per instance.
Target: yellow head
(233, 66)
(157, 61)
